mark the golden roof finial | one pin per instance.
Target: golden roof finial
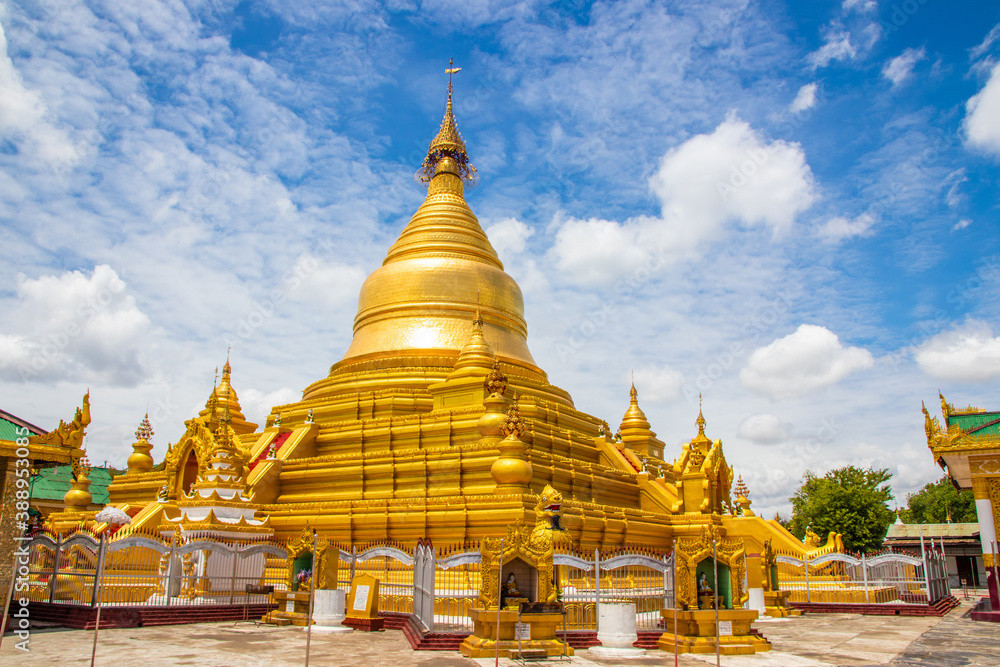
(496, 381)
(145, 430)
(513, 423)
(741, 489)
(700, 421)
(448, 147)
(478, 322)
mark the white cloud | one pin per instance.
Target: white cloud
(983, 47)
(596, 251)
(509, 236)
(807, 359)
(764, 429)
(257, 404)
(23, 117)
(982, 120)
(967, 353)
(321, 281)
(75, 327)
(805, 99)
(731, 175)
(839, 228)
(860, 5)
(900, 68)
(961, 224)
(658, 384)
(837, 46)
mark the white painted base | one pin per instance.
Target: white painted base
(616, 628)
(756, 600)
(329, 629)
(328, 611)
(605, 652)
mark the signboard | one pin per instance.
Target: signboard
(362, 601)
(522, 631)
(725, 628)
(361, 598)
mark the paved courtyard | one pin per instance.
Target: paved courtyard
(814, 640)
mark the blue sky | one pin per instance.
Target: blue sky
(787, 207)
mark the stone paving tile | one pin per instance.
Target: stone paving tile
(814, 640)
(954, 642)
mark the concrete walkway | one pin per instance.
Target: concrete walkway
(814, 640)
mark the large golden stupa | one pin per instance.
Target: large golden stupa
(438, 423)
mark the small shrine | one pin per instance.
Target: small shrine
(519, 588)
(710, 574)
(293, 602)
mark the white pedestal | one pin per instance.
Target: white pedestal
(756, 601)
(328, 611)
(617, 631)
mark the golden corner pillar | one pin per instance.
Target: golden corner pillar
(438, 424)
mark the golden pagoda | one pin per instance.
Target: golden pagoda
(438, 423)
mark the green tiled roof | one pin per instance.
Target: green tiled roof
(53, 483)
(11, 430)
(970, 422)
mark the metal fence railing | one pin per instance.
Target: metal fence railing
(878, 578)
(146, 569)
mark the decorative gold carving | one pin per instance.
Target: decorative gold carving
(496, 382)
(984, 465)
(513, 423)
(68, 435)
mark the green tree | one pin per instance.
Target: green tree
(851, 501)
(937, 501)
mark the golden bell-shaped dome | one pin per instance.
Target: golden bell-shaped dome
(421, 300)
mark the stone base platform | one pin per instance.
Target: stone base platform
(365, 624)
(483, 642)
(695, 632)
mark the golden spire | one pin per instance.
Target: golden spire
(224, 401)
(447, 148)
(477, 353)
(635, 431)
(423, 295)
(700, 421)
(140, 460)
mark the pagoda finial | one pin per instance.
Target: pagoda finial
(447, 150)
(700, 421)
(145, 430)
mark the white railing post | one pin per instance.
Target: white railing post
(805, 564)
(864, 573)
(597, 590)
(923, 557)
